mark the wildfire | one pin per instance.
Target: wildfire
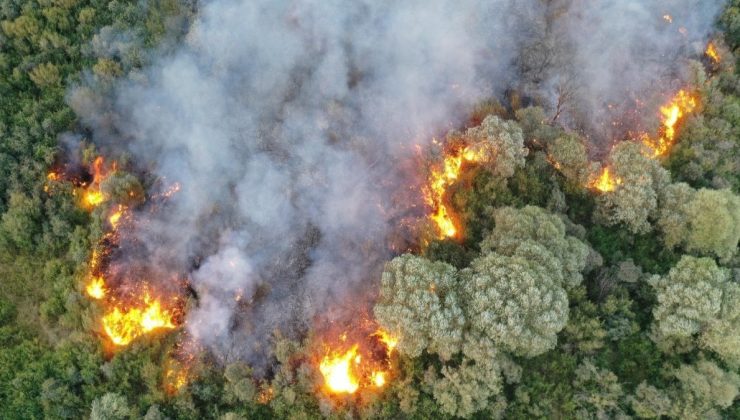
(606, 182)
(441, 178)
(712, 52)
(115, 217)
(124, 325)
(96, 288)
(51, 177)
(668, 18)
(681, 104)
(338, 371)
(92, 196)
(265, 395)
(378, 379)
(176, 377)
(387, 339)
(347, 370)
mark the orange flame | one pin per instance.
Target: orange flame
(115, 217)
(668, 18)
(347, 370)
(441, 178)
(712, 53)
(605, 182)
(378, 378)
(338, 371)
(51, 177)
(266, 395)
(124, 325)
(96, 288)
(387, 339)
(681, 104)
(92, 196)
(176, 377)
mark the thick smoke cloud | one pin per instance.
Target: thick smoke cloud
(609, 58)
(284, 123)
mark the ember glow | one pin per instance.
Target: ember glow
(124, 324)
(347, 368)
(175, 378)
(605, 182)
(682, 104)
(441, 178)
(265, 395)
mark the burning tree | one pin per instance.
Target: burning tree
(131, 307)
(632, 195)
(495, 144)
(418, 302)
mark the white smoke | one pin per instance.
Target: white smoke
(284, 123)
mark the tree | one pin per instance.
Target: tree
(514, 302)
(597, 392)
(110, 406)
(20, 225)
(122, 187)
(689, 298)
(722, 334)
(45, 75)
(418, 302)
(568, 153)
(650, 402)
(699, 391)
(465, 389)
(704, 221)
(239, 386)
(635, 200)
(514, 227)
(503, 140)
(535, 127)
(704, 387)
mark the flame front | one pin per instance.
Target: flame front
(124, 325)
(681, 104)
(338, 371)
(441, 178)
(606, 182)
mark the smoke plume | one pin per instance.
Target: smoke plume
(285, 123)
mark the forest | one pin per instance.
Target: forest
(250, 210)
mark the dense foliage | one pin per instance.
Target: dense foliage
(560, 303)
